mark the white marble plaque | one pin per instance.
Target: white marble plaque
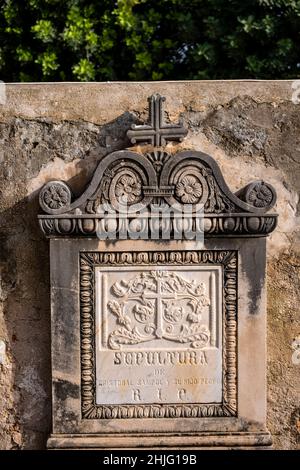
(158, 334)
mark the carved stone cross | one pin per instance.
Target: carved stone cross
(156, 132)
(159, 296)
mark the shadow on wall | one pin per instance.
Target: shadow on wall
(24, 261)
(25, 277)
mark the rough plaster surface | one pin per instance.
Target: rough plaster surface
(61, 130)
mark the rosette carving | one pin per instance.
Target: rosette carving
(189, 189)
(55, 195)
(260, 195)
(128, 188)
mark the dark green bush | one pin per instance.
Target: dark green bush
(148, 39)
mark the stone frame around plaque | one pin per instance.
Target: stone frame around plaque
(69, 347)
(88, 263)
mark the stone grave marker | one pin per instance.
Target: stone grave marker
(158, 300)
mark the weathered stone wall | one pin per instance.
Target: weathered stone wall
(48, 131)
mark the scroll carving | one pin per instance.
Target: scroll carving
(127, 179)
(55, 195)
(259, 194)
(138, 180)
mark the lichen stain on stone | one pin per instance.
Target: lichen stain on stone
(65, 389)
(255, 276)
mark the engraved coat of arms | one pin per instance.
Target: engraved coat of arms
(159, 305)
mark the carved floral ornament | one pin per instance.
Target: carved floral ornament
(139, 180)
(128, 189)
(164, 304)
(188, 189)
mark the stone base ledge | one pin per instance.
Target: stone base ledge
(237, 440)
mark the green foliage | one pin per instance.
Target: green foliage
(44, 30)
(148, 39)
